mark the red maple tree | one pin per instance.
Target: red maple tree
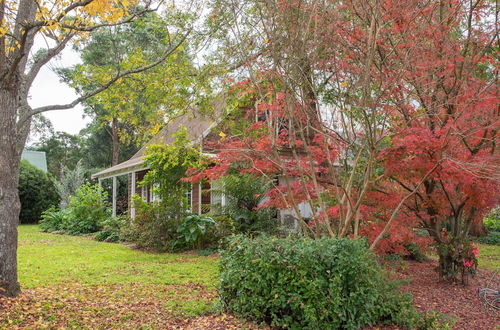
(382, 116)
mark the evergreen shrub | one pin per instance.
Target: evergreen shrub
(37, 193)
(309, 284)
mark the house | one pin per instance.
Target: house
(202, 196)
(35, 158)
(198, 127)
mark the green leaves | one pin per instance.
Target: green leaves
(87, 211)
(193, 228)
(141, 102)
(314, 284)
(37, 193)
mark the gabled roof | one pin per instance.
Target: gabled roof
(198, 126)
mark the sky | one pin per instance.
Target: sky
(47, 89)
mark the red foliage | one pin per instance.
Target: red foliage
(433, 83)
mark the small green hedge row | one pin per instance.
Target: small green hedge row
(309, 284)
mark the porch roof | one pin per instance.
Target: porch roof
(120, 169)
(198, 126)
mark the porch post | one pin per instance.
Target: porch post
(223, 196)
(114, 195)
(199, 197)
(132, 193)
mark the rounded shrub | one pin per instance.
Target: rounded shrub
(309, 284)
(111, 229)
(37, 193)
(492, 221)
(154, 225)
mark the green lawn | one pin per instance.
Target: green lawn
(489, 256)
(77, 282)
(46, 259)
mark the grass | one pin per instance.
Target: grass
(49, 258)
(72, 281)
(489, 256)
(77, 282)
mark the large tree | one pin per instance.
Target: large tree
(62, 150)
(97, 146)
(135, 108)
(382, 114)
(58, 23)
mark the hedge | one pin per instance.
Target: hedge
(309, 284)
(37, 193)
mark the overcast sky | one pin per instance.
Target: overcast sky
(47, 89)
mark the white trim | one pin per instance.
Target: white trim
(144, 193)
(126, 171)
(155, 197)
(223, 197)
(200, 188)
(132, 193)
(191, 199)
(115, 184)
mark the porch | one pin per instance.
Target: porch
(201, 197)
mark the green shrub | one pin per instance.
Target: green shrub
(111, 229)
(87, 210)
(37, 193)
(224, 227)
(414, 252)
(193, 229)
(493, 238)
(54, 220)
(69, 182)
(492, 224)
(435, 321)
(154, 226)
(244, 193)
(312, 284)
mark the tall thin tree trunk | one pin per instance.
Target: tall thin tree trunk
(9, 196)
(116, 142)
(478, 229)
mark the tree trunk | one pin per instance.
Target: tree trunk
(478, 229)
(10, 154)
(116, 142)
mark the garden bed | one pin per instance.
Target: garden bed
(458, 302)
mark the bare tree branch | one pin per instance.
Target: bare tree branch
(40, 62)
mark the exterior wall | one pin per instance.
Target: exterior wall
(206, 197)
(144, 192)
(138, 190)
(288, 217)
(200, 198)
(195, 198)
